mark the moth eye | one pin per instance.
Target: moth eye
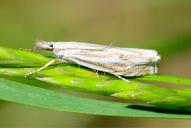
(51, 45)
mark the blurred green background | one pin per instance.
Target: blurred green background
(164, 25)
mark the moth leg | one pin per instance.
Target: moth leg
(42, 68)
(120, 77)
(97, 73)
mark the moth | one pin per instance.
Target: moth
(120, 62)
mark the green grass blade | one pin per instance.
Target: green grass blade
(38, 97)
(162, 97)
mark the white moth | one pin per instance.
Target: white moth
(127, 62)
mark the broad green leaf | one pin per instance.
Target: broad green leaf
(38, 97)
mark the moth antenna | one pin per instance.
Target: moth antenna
(30, 49)
(110, 45)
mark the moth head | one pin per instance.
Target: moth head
(43, 45)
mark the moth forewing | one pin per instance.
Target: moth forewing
(113, 61)
(126, 62)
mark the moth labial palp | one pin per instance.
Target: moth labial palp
(120, 62)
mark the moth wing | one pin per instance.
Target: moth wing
(139, 56)
(98, 60)
(138, 71)
(78, 46)
(113, 62)
(143, 61)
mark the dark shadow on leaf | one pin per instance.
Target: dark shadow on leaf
(160, 110)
